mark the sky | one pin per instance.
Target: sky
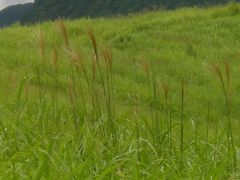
(5, 3)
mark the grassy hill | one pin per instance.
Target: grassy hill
(151, 96)
(51, 9)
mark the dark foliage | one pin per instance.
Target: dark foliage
(52, 9)
(13, 14)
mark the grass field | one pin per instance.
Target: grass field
(147, 96)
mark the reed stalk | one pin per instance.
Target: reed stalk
(182, 126)
(226, 88)
(207, 128)
(137, 125)
(54, 64)
(104, 87)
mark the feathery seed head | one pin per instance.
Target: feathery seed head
(62, 28)
(217, 71)
(76, 59)
(92, 37)
(107, 55)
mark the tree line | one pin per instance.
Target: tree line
(52, 9)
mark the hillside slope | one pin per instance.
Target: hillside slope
(154, 95)
(51, 9)
(14, 13)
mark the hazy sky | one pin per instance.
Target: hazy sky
(5, 3)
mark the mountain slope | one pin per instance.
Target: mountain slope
(51, 9)
(57, 122)
(14, 13)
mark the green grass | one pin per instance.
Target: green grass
(148, 96)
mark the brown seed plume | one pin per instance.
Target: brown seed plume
(76, 59)
(107, 55)
(62, 28)
(92, 37)
(217, 71)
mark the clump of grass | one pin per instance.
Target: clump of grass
(76, 66)
(168, 118)
(158, 131)
(54, 66)
(226, 88)
(77, 61)
(136, 118)
(105, 83)
(39, 69)
(109, 73)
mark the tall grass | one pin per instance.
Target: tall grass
(226, 88)
(182, 126)
(91, 114)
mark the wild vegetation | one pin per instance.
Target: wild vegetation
(52, 9)
(151, 96)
